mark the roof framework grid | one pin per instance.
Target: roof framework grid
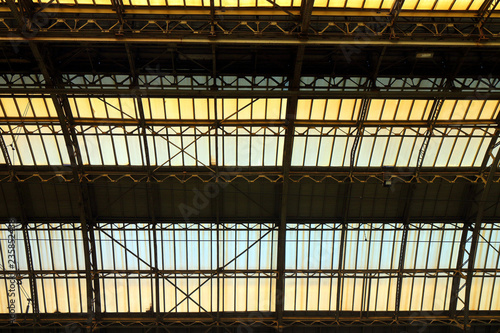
(272, 165)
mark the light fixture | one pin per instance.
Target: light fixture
(387, 176)
(425, 55)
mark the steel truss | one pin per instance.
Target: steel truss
(322, 90)
(402, 175)
(70, 24)
(154, 79)
(252, 319)
(202, 274)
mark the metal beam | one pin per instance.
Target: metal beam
(493, 144)
(404, 241)
(395, 11)
(471, 203)
(236, 322)
(85, 92)
(475, 238)
(150, 185)
(252, 25)
(195, 24)
(160, 11)
(120, 11)
(258, 40)
(164, 175)
(431, 122)
(24, 225)
(64, 113)
(461, 262)
(92, 122)
(484, 14)
(63, 110)
(172, 273)
(291, 114)
(446, 85)
(22, 21)
(363, 113)
(306, 13)
(343, 235)
(468, 245)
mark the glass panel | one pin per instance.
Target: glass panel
(244, 254)
(432, 246)
(312, 246)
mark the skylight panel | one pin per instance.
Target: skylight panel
(27, 107)
(35, 145)
(231, 109)
(442, 4)
(249, 146)
(355, 4)
(445, 4)
(379, 109)
(106, 108)
(346, 109)
(469, 109)
(197, 251)
(484, 291)
(484, 294)
(459, 5)
(366, 151)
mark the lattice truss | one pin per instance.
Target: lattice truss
(387, 18)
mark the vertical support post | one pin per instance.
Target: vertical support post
(24, 226)
(475, 239)
(365, 105)
(291, 113)
(395, 10)
(433, 116)
(402, 254)
(306, 11)
(469, 244)
(64, 114)
(152, 205)
(340, 277)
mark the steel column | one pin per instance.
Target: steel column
(468, 247)
(475, 238)
(291, 113)
(63, 110)
(24, 226)
(402, 254)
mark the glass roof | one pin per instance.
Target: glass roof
(251, 132)
(396, 146)
(396, 109)
(364, 278)
(461, 5)
(183, 3)
(373, 247)
(442, 4)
